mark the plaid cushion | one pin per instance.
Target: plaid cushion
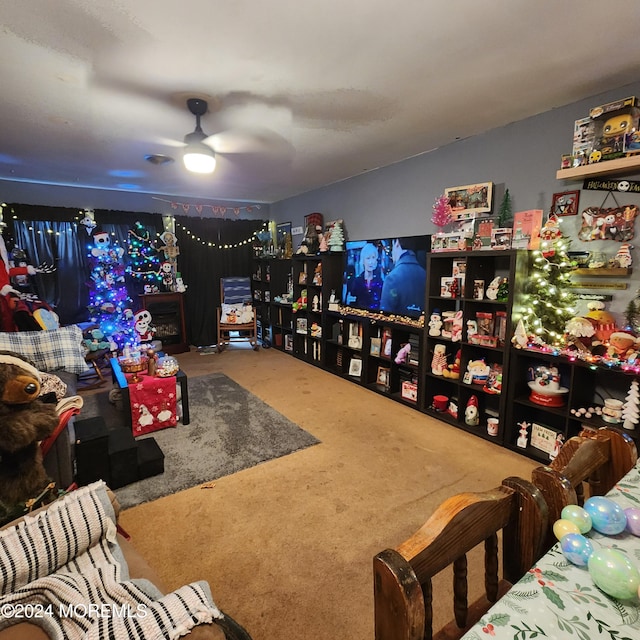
(55, 350)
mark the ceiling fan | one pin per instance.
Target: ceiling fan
(248, 129)
(198, 156)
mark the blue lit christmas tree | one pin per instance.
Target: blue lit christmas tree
(109, 302)
(144, 259)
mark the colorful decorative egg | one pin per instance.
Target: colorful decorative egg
(606, 515)
(612, 572)
(576, 549)
(563, 527)
(633, 520)
(578, 516)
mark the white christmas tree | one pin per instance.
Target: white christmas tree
(630, 412)
(336, 239)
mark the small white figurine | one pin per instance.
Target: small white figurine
(523, 438)
(471, 413)
(492, 289)
(435, 324)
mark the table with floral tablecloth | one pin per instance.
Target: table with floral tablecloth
(557, 599)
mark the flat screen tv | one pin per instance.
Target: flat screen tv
(386, 275)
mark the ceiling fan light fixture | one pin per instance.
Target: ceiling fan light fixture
(199, 158)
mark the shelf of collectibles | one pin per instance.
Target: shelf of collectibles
(281, 296)
(261, 291)
(555, 393)
(605, 142)
(380, 352)
(470, 297)
(314, 278)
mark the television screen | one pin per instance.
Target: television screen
(386, 275)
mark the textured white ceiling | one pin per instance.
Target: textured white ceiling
(301, 94)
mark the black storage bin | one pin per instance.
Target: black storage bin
(123, 458)
(92, 451)
(150, 458)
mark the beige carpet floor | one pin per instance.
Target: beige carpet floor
(287, 545)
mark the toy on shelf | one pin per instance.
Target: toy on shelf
(523, 438)
(545, 387)
(435, 323)
(403, 354)
(452, 371)
(492, 289)
(471, 412)
(439, 360)
(477, 372)
(456, 327)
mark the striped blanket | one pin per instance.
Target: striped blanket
(63, 570)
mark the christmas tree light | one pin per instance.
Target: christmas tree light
(109, 302)
(549, 301)
(144, 260)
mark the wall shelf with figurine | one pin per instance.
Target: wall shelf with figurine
(466, 341)
(604, 272)
(618, 166)
(552, 398)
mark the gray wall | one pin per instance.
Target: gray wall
(522, 156)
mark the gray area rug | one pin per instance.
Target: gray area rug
(230, 429)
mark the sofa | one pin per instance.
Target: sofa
(136, 574)
(60, 352)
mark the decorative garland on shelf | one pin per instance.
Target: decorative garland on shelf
(217, 210)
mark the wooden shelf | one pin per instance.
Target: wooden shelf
(608, 167)
(603, 272)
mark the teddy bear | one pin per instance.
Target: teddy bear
(25, 420)
(453, 370)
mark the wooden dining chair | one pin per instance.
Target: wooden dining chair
(589, 464)
(403, 591)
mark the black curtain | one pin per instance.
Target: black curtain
(54, 236)
(203, 260)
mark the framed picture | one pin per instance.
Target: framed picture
(375, 347)
(386, 342)
(302, 277)
(383, 376)
(355, 367)
(469, 200)
(565, 203)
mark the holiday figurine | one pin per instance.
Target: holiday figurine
(435, 323)
(403, 354)
(142, 326)
(557, 445)
(523, 438)
(439, 361)
(471, 413)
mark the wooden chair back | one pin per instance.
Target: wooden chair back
(403, 592)
(589, 464)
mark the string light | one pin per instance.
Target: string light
(215, 245)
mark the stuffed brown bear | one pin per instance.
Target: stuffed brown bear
(24, 421)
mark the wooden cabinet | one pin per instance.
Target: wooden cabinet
(583, 386)
(167, 313)
(474, 336)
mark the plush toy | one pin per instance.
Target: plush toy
(24, 421)
(403, 354)
(453, 370)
